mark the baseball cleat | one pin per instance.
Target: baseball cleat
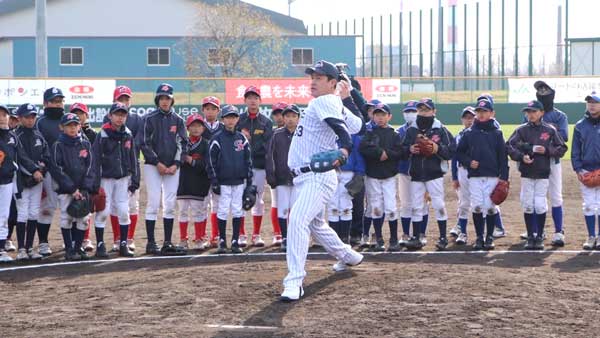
(394, 246)
(235, 247)
(82, 254)
(353, 258)
(283, 247)
(101, 250)
(499, 232)
(442, 243)
(243, 241)
(291, 294)
(71, 255)
(87, 245)
(355, 240)
(340, 266)
(222, 247)
(215, 242)
(489, 243)
(523, 235)
(199, 245)
(423, 239)
(590, 244)
(558, 239)
(455, 231)
(22, 255)
(597, 247)
(379, 245)
(45, 249)
(364, 242)
(9, 246)
(115, 246)
(257, 241)
(404, 239)
(530, 244)
(124, 250)
(184, 244)
(479, 244)
(33, 255)
(414, 243)
(131, 244)
(4, 257)
(277, 240)
(539, 243)
(462, 239)
(152, 248)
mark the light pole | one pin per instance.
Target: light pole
(290, 7)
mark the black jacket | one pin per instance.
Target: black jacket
(375, 141)
(37, 151)
(261, 130)
(49, 125)
(277, 170)
(193, 178)
(89, 132)
(230, 161)
(209, 131)
(163, 138)
(14, 157)
(423, 169)
(483, 143)
(528, 135)
(134, 123)
(71, 164)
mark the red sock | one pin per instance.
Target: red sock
(256, 222)
(86, 234)
(275, 222)
(114, 223)
(131, 230)
(243, 226)
(183, 227)
(214, 225)
(199, 230)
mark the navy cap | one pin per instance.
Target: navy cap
(118, 106)
(12, 113)
(486, 96)
(382, 107)
(371, 103)
(291, 108)
(593, 96)
(426, 102)
(69, 118)
(468, 110)
(323, 67)
(52, 93)
(484, 105)
(533, 105)
(228, 109)
(5, 108)
(410, 106)
(26, 109)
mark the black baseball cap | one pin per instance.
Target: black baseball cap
(468, 110)
(26, 109)
(426, 102)
(484, 105)
(69, 118)
(228, 109)
(5, 108)
(52, 93)
(383, 108)
(118, 106)
(410, 106)
(324, 68)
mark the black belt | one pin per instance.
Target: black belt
(299, 171)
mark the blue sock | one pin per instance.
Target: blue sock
(99, 234)
(77, 236)
(557, 218)
(416, 228)
(499, 221)
(367, 225)
(442, 228)
(479, 224)
(67, 238)
(222, 229)
(236, 225)
(150, 230)
(534, 225)
(394, 231)
(283, 226)
(345, 230)
(424, 224)
(405, 225)
(590, 223)
(462, 224)
(378, 226)
(540, 223)
(529, 223)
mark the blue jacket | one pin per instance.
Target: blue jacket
(14, 157)
(209, 131)
(276, 168)
(454, 163)
(484, 143)
(260, 128)
(558, 119)
(71, 164)
(373, 144)
(163, 138)
(135, 124)
(403, 165)
(49, 125)
(114, 156)
(356, 162)
(585, 150)
(37, 151)
(230, 161)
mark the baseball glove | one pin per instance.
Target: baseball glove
(500, 192)
(323, 161)
(249, 197)
(426, 146)
(79, 208)
(355, 185)
(98, 201)
(590, 179)
(2, 156)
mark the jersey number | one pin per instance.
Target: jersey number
(299, 131)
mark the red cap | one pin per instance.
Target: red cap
(212, 100)
(120, 91)
(79, 106)
(251, 89)
(279, 106)
(193, 118)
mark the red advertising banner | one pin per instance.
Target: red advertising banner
(275, 90)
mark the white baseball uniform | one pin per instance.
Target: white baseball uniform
(404, 195)
(340, 206)
(194, 207)
(591, 200)
(555, 184)
(28, 206)
(154, 183)
(66, 221)
(259, 179)
(6, 194)
(435, 188)
(533, 195)
(117, 200)
(463, 192)
(231, 200)
(480, 190)
(286, 197)
(381, 196)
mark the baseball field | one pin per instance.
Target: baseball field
(507, 292)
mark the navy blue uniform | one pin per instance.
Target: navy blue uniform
(49, 125)
(193, 179)
(71, 164)
(163, 138)
(14, 157)
(484, 143)
(261, 130)
(37, 150)
(585, 150)
(278, 172)
(230, 160)
(373, 144)
(212, 129)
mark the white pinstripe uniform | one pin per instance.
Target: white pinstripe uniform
(314, 190)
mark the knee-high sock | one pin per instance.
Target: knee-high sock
(405, 225)
(283, 226)
(442, 225)
(86, 233)
(150, 230)
(199, 230)
(43, 231)
(540, 222)
(557, 218)
(30, 233)
(530, 224)
(11, 229)
(590, 223)
(462, 224)
(243, 226)
(367, 225)
(490, 223)
(124, 232)
(499, 223)
(417, 228)
(77, 237)
(275, 222)
(256, 224)
(479, 224)
(21, 234)
(183, 231)
(237, 221)
(335, 225)
(345, 230)
(378, 226)
(222, 229)
(99, 235)
(393, 230)
(214, 225)
(133, 222)
(67, 239)
(168, 225)
(114, 224)
(424, 224)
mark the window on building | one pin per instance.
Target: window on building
(218, 56)
(159, 56)
(71, 56)
(302, 56)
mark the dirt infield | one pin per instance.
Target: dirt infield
(507, 293)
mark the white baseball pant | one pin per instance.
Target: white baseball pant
(463, 192)
(66, 221)
(195, 208)
(381, 194)
(28, 206)
(155, 183)
(259, 179)
(49, 203)
(285, 199)
(133, 204)
(231, 200)
(306, 219)
(340, 206)
(533, 195)
(212, 205)
(480, 190)
(404, 196)
(591, 200)
(6, 194)
(555, 185)
(117, 199)
(435, 188)
(273, 197)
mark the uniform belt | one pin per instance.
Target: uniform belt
(299, 171)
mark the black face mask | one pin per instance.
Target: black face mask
(54, 113)
(424, 122)
(547, 99)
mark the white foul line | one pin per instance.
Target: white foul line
(241, 327)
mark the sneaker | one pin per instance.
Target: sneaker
(235, 248)
(479, 244)
(340, 266)
(558, 239)
(364, 242)
(257, 241)
(87, 245)
(355, 240)
(291, 294)
(404, 239)
(124, 250)
(33, 255)
(222, 247)
(152, 248)
(283, 247)
(115, 247)
(71, 255)
(414, 243)
(442, 243)
(4, 257)
(206, 242)
(489, 243)
(22, 255)
(184, 244)
(82, 254)
(499, 232)
(167, 248)
(131, 244)
(455, 231)
(379, 245)
(45, 249)
(242, 241)
(199, 245)
(539, 243)
(523, 235)
(590, 244)
(101, 250)
(462, 239)
(9, 246)
(530, 244)
(277, 240)
(423, 239)
(394, 246)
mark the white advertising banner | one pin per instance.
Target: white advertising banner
(16, 92)
(386, 90)
(573, 89)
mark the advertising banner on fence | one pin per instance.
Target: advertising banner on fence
(386, 90)
(567, 89)
(16, 92)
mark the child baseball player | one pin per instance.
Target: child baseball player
(481, 150)
(163, 141)
(381, 147)
(230, 166)
(13, 123)
(194, 185)
(585, 158)
(427, 168)
(115, 165)
(28, 205)
(71, 169)
(534, 145)
(279, 122)
(460, 182)
(278, 173)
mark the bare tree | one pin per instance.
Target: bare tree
(231, 38)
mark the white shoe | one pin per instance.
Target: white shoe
(340, 266)
(45, 249)
(462, 239)
(199, 245)
(4, 257)
(257, 241)
(423, 239)
(33, 255)
(404, 239)
(499, 233)
(352, 258)
(455, 231)
(558, 239)
(242, 241)
(131, 244)
(590, 243)
(9, 246)
(22, 255)
(115, 247)
(291, 294)
(364, 241)
(87, 245)
(184, 244)
(277, 240)
(523, 235)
